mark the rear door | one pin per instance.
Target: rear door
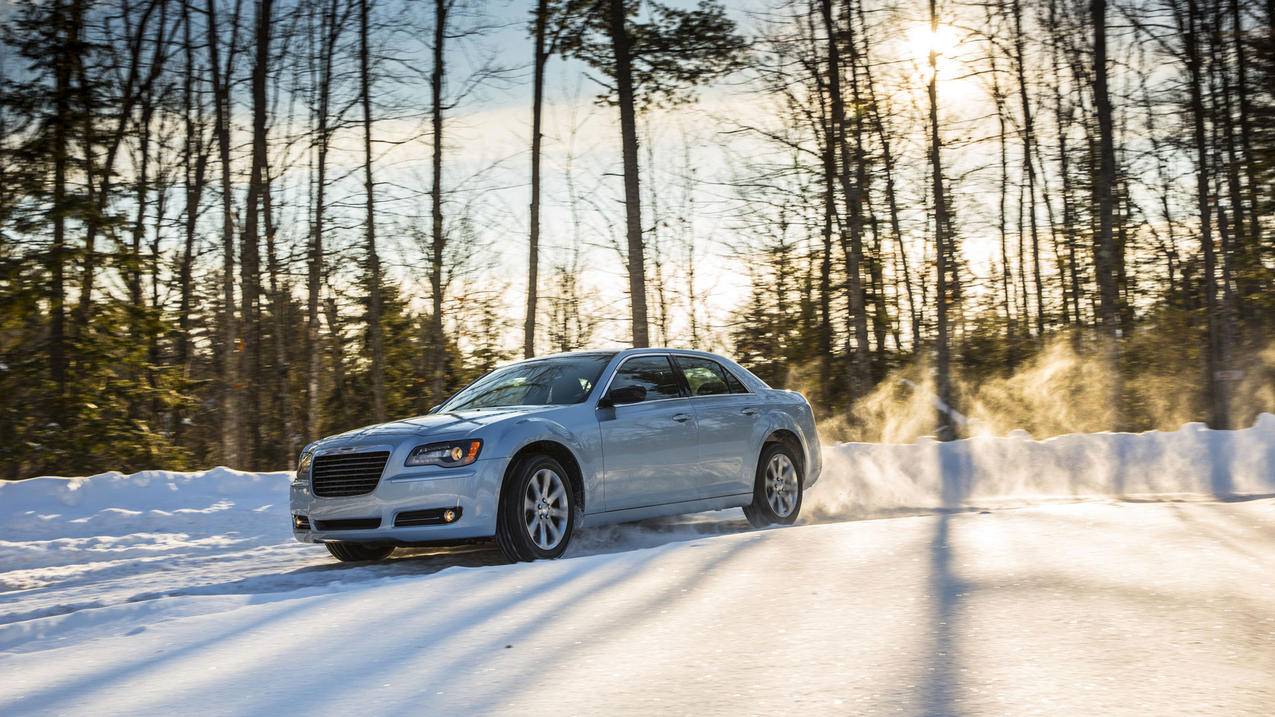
(726, 415)
(649, 449)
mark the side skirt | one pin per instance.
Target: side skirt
(657, 511)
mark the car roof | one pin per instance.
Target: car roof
(620, 353)
(628, 352)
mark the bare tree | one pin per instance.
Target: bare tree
(250, 263)
(377, 368)
(860, 374)
(221, 128)
(543, 49)
(1218, 353)
(438, 240)
(332, 20)
(942, 245)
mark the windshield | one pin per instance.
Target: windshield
(544, 382)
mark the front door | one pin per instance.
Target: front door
(649, 450)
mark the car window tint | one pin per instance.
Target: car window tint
(650, 372)
(735, 385)
(707, 377)
(540, 382)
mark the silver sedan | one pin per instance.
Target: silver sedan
(534, 450)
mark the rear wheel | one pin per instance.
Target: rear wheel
(537, 511)
(777, 490)
(358, 552)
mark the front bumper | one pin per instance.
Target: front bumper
(475, 489)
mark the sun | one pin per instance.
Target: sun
(956, 83)
(922, 40)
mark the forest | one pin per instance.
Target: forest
(230, 227)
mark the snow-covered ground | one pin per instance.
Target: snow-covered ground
(1108, 574)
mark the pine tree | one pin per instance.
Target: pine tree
(658, 60)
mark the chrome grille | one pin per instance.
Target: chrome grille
(345, 474)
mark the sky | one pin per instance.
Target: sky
(488, 134)
(486, 174)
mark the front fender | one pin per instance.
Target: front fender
(577, 433)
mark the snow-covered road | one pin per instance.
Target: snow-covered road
(1080, 575)
(1093, 608)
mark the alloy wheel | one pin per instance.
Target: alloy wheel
(546, 508)
(781, 485)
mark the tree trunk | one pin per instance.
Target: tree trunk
(437, 238)
(998, 99)
(828, 154)
(373, 258)
(533, 242)
(1106, 260)
(57, 290)
(195, 164)
(155, 309)
(1218, 348)
(659, 285)
(1062, 117)
(1105, 180)
(688, 241)
(279, 294)
(859, 361)
(329, 30)
(141, 186)
(620, 47)
(221, 111)
(250, 264)
(1029, 144)
(336, 348)
(946, 429)
(1251, 253)
(858, 208)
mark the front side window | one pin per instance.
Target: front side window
(707, 377)
(541, 382)
(650, 372)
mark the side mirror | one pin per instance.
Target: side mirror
(622, 395)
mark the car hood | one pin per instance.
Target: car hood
(457, 422)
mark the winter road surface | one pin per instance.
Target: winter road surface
(1093, 608)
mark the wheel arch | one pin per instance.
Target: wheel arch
(788, 439)
(559, 452)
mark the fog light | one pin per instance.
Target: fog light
(300, 522)
(449, 516)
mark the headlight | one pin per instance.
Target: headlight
(449, 455)
(303, 468)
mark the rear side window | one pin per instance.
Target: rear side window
(707, 377)
(654, 373)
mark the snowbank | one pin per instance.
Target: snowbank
(117, 504)
(862, 479)
(111, 517)
(859, 479)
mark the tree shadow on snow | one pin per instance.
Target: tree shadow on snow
(410, 562)
(939, 682)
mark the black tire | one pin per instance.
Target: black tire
(359, 552)
(513, 533)
(761, 512)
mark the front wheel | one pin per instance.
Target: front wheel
(777, 490)
(537, 511)
(358, 552)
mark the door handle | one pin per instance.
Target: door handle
(750, 411)
(681, 417)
